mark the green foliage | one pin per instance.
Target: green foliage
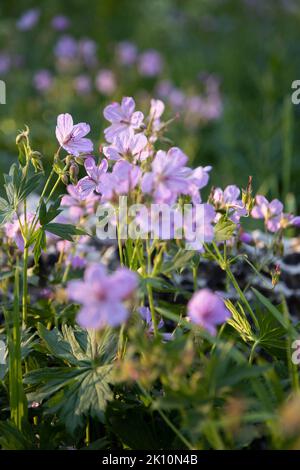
(80, 386)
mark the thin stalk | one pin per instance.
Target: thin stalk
(25, 287)
(251, 357)
(152, 309)
(150, 291)
(195, 277)
(167, 421)
(87, 433)
(17, 398)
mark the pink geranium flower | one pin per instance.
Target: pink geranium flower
(122, 117)
(87, 185)
(129, 146)
(168, 177)
(123, 179)
(207, 310)
(229, 200)
(77, 206)
(271, 212)
(72, 137)
(102, 295)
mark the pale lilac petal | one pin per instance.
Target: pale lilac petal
(147, 182)
(123, 283)
(137, 119)
(85, 187)
(128, 106)
(64, 127)
(275, 207)
(113, 112)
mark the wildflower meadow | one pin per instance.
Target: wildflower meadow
(149, 295)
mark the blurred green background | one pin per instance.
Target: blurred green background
(250, 47)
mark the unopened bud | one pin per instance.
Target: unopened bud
(247, 198)
(79, 160)
(23, 136)
(74, 170)
(69, 159)
(64, 179)
(275, 273)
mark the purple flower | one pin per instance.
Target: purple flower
(102, 296)
(197, 180)
(106, 82)
(168, 178)
(289, 220)
(13, 231)
(60, 22)
(164, 88)
(82, 84)
(5, 63)
(156, 110)
(43, 80)
(122, 117)
(146, 316)
(198, 226)
(126, 53)
(150, 63)
(207, 310)
(177, 99)
(28, 20)
(66, 48)
(88, 49)
(77, 206)
(87, 185)
(271, 212)
(72, 138)
(121, 181)
(229, 200)
(129, 146)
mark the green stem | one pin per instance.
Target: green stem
(152, 309)
(87, 433)
(167, 421)
(149, 289)
(25, 287)
(251, 357)
(242, 296)
(195, 277)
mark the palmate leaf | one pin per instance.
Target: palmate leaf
(281, 319)
(64, 231)
(80, 387)
(224, 229)
(6, 211)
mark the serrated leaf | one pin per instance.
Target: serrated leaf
(224, 229)
(64, 231)
(80, 387)
(276, 313)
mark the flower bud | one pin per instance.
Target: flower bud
(74, 170)
(275, 273)
(79, 160)
(64, 179)
(69, 159)
(22, 138)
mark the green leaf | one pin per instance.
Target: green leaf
(11, 438)
(64, 231)
(276, 314)
(80, 387)
(179, 261)
(27, 186)
(224, 229)
(46, 215)
(40, 244)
